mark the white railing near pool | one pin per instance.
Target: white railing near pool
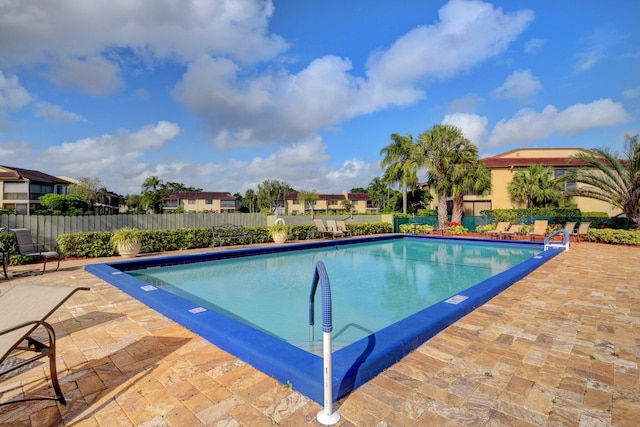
(327, 415)
(565, 241)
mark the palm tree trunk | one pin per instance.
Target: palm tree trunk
(442, 211)
(404, 197)
(458, 209)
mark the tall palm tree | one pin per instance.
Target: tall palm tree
(534, 187)
(611, 178)
(400, 163)
(470, 178)
(151, 197)
(378, 190)
(446, 154)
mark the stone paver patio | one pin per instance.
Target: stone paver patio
(560, 348)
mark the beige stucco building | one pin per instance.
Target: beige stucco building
(360, 203)
(503, 167)
(201, 201)
(20, 188)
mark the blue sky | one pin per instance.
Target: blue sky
(222, 95)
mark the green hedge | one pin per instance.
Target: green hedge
(96, 244)
(615, 237)
(519, 216)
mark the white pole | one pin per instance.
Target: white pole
(327, 416)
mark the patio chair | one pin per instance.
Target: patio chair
(342, 226)
(583, 231)
(332, 228)
(513, 231)
(27, 247)
(321, 230)
(539, 229)
(23, 310)
(500, 228)
(570, 227)
(5, 260)
(4, 254)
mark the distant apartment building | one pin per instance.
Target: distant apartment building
(20, 188)
(360, 203)
(201, 201)
(503, 167)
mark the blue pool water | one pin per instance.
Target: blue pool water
(382, 306)
(374, 284)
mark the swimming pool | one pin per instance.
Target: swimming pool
(366, 349)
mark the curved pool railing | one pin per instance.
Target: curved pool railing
(327, 415)
(564, 244)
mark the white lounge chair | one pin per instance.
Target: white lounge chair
(23, 310)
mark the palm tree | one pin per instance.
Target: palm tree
(470, 178)
(534, 187)
(378, 190)
(611, 179)
(151, 197)
(400, 163)
(446, 154)
(308, 198)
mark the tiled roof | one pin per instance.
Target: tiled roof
(31, 175)
(200, 195)
(350, 196)
(502, 162)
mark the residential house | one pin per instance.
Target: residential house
(20, 188)
(360, 203)
(503, 167)
(201, 201)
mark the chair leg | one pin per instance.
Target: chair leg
(54, 378)
(52, 363)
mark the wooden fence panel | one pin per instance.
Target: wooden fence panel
(47, 228)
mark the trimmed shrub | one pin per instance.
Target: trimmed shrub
(615, 237)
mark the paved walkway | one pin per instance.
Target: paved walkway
(561, 347)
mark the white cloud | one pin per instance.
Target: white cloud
(473, 126)
(243, 108)
(94, 75)
(597, 45)
(534, 46)
(520, 84)
(352, 173)
(529, 126)
(86, 41)
(164, 29)
(468, 33)
(115, 156)
(631, 93)
(467, 104)
(56, 113)
(12, 95)
(290, 162)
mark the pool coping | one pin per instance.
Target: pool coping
(354, 364)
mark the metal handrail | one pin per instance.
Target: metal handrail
(327, 415)
(565, 243)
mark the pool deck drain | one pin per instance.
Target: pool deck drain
(559, 347)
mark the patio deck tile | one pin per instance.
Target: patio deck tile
(559, 347)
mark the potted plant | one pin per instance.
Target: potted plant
(279, 232)
(127, 241)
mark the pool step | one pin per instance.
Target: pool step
(315, 347)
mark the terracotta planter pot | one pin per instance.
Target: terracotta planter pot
(279, 238)
(129, 250)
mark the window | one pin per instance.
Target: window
(208, 202)
(192, 201)
(568, 185)
(295, 202)
(354, 203)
